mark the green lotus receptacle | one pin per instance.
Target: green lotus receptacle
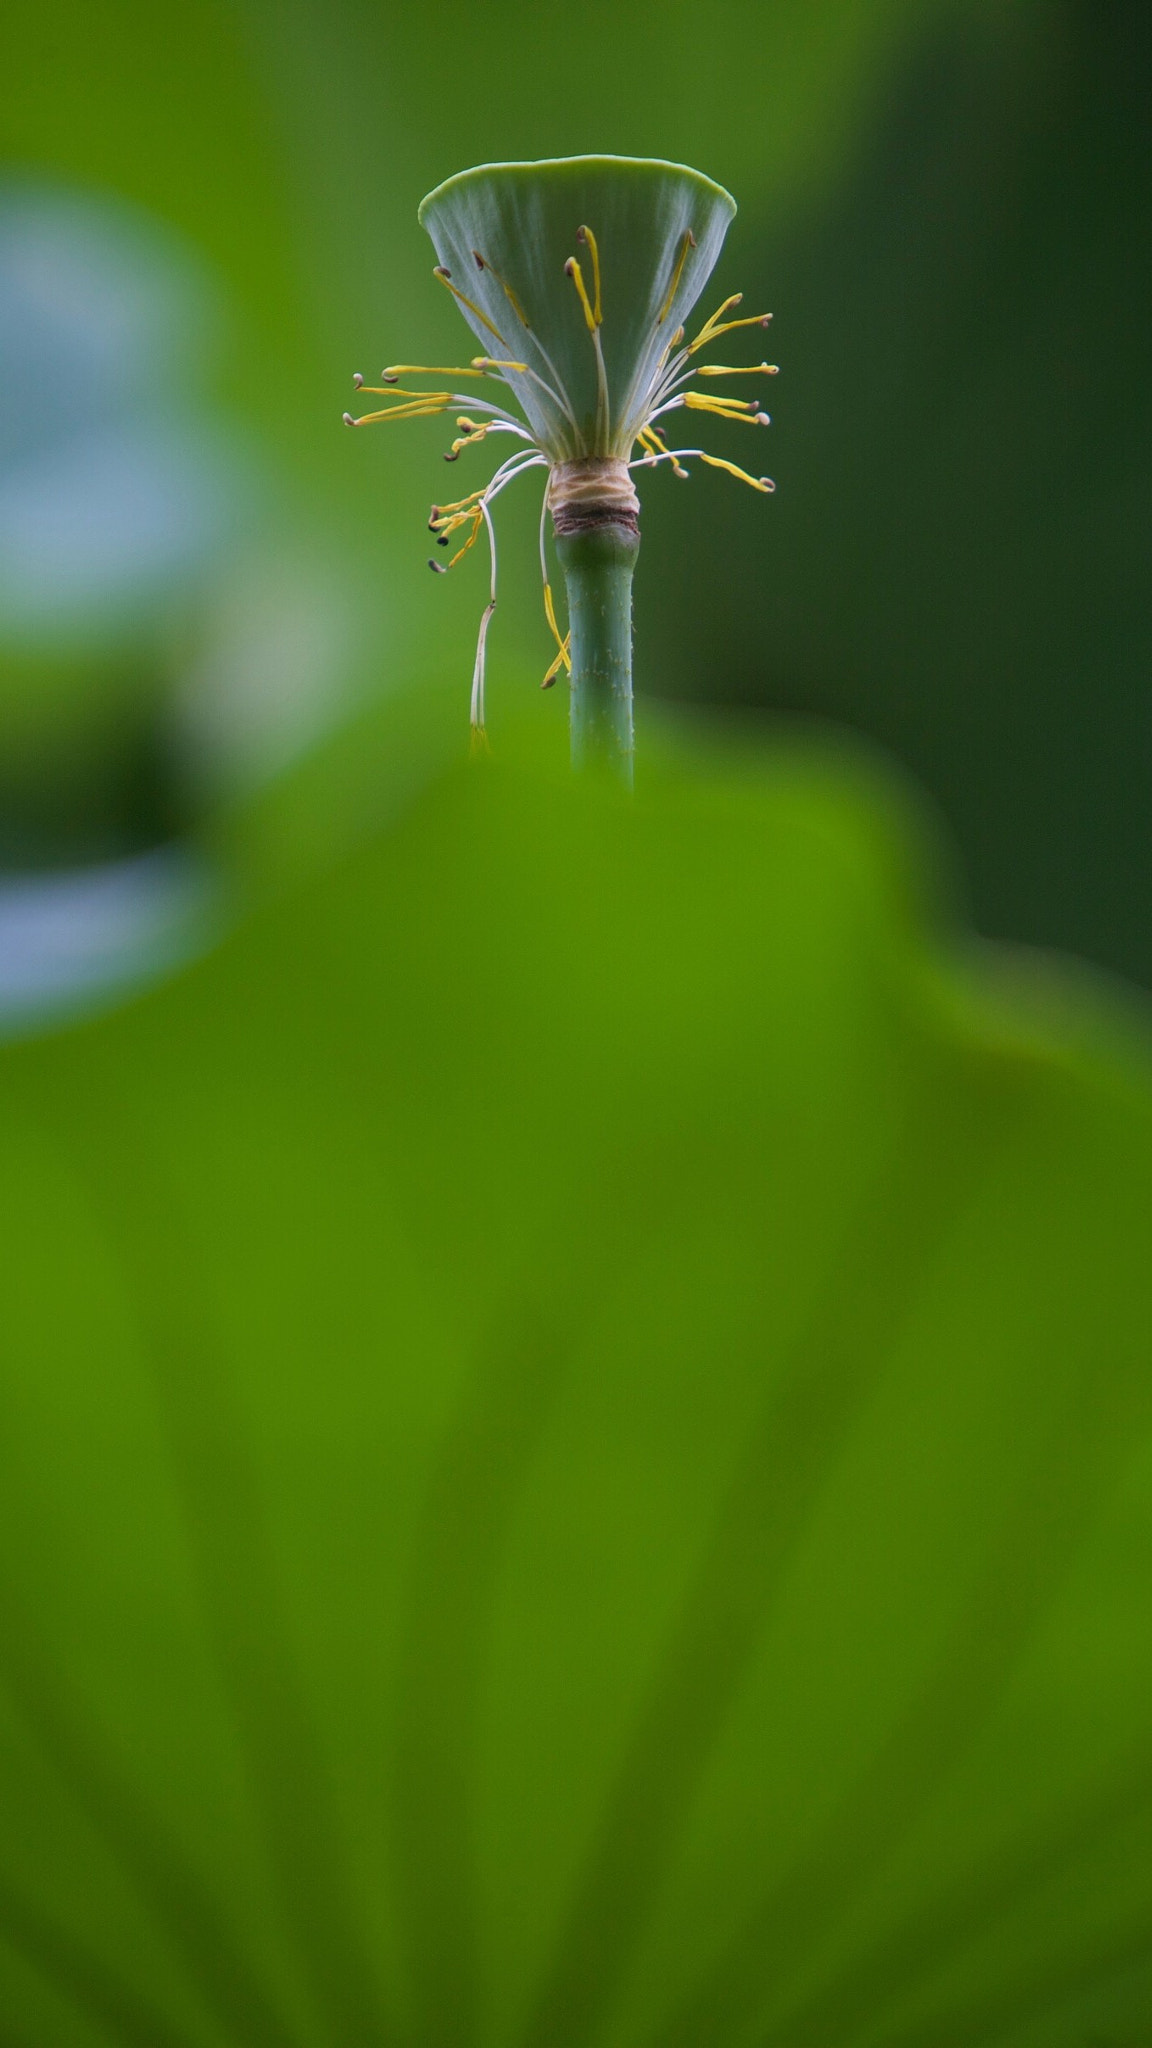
(577, 276)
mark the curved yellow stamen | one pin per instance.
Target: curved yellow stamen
(758, 483)
(442, 529)
(397, 391)
(585, 235)
(654, 445)
(572, 269)
(459, 504)
(713, 318)
(651, 441)
(482, 263)
(714, 328)
(688, 242)
(440, 272)
(745, 409)
(394, 370)
(471, 541)
(738, 370)
(470, 438)
(399, 412)
(561, 641)
(562, 660)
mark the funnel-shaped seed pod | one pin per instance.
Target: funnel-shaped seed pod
(593, 323)
(577, 276)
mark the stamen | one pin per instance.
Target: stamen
(460, 505)
(586, 236)
(688, 242)
(737, 370)
(472, 539)
(481, 643)
(482, 263)
(560, 639)
(563, 660)
(758, 483)
(446, 280)
(395, 370)
(396, 391)
(716, 327)
(592, 320)
(572, 269)
(735, 300)
(493, 363)
(401, 412)
(650, 439)
(474, 431)
(725, 408)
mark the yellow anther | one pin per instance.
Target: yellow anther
(744, 409)
(465, 506)
(440, 272)
(446, 524)
(486, 363)
(561, 641)
(473, 537)
(397, 391)
(399, 412)
(652, 442)
(735, 300)
(482, 263)
(758, 483)
(465, 441)
(394, 370)
(716, 327)
(586, 236)
(572, 269)
(738, 370)
(688, 242)
(563, 660)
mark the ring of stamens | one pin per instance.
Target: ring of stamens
(589, 467)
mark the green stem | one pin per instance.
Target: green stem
(598, 562)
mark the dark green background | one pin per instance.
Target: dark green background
(575, 1389)
(946, 206)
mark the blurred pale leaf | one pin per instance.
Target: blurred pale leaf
(574, 1462)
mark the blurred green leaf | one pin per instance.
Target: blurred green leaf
(575, 1460)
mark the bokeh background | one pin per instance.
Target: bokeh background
(575, 1458)
(214, 605)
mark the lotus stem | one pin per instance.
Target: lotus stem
(598, 562)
